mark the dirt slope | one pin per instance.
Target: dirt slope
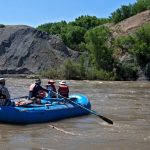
(24, 49)
(130, 25)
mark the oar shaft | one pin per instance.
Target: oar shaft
(91, 111)
(19, 98)
(81, 106)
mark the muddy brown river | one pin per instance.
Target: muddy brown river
(126, 103)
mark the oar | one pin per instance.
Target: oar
(91, 111)
(19, 98)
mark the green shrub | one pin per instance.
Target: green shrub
(127, 71)
(141, 48)
(93, 74)
(72, 70)
(104, 75)
(54, 73)
(98, 44)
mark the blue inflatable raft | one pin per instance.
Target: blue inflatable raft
(52, 109)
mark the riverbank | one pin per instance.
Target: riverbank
(34, 76)
(27, 76)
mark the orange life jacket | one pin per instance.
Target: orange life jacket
(41, 94)
(63, 90)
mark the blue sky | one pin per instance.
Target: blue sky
(36, 12)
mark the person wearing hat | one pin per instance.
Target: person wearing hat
(4, 93)
(51, 88)
(63, 89)
(36, 90)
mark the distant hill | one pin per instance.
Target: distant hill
(25, 50)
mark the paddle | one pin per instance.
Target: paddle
(91, 111)
(19, 98)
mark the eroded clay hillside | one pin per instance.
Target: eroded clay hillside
(130, 25)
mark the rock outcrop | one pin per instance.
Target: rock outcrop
(25, 50)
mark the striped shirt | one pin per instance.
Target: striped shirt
(5, 91)
(4, 95)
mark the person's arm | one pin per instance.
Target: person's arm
(41, 88)
(6, 92)
(59, 90)
(30, 94)
(54, 89)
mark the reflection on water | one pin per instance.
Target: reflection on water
(126, 103)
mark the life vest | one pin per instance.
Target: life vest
(41, 94)
(52, 90)
(36, 90)
(63, 90)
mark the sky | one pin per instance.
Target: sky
(36, 12)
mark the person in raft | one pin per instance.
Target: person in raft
(4, 94)
(51, 88)
(63, 89)
(36, 91)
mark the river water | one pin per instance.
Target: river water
(126, 103)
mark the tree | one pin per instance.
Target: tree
(74, 36)
(98, 43)
(142, 45)
(116, 16)
(53, 28)
(141, 5)
(127, 11)
(89, 22)
(124, 43)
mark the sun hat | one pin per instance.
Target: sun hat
(2, 80)
(62, 82)
(50, 82)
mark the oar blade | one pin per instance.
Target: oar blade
(106, 119)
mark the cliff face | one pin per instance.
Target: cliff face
(24, 49)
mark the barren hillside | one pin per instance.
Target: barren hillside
(131, 24)
(24, 49)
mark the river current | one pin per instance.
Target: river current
(126, 103)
